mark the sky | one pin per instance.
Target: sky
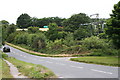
(10, 10)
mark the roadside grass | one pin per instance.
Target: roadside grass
(106, 60)
(0, 69)
(5, 70)
(30, 70)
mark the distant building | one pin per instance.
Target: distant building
(41, 29)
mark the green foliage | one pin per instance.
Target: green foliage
(98, 47)
(81, 33)
(102, 36)
(94, 43)
(57, 44)
(113, 23)
(10, 29)
(111, 61)
(21, 38)
(62, 35)
(69, 40)
(32, 70)
(52, 33)
(4, 24)
(39, 42)
(45, 21)
(23, 21)
(75, 20)
(30, 39)
(11, 37)
(33, 29)
(76, 49)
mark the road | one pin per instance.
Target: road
(64, 68)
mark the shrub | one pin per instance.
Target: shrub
(73, 49)
(94, 43)
(39, 42)
(62, 35)
(33, 29)
(57, 44)
(69, 40)
(102, 36)
(21, 38)
(11, 37)
(30, 39)
(81, 34)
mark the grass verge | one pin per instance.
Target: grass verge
(110, 61)
(30, 70)
(6, 70)
(0, 69)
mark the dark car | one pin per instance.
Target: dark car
(6, 49)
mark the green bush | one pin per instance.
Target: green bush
(62, 35)
(33, 29)
(98, 47)
(21, 38)
(57, 44)
(39, 42)
(73, 49)
(11, 37)
(102, 36)
(81, 33)
(69, 40)
(30, 39)
(94, 43)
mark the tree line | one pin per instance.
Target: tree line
(74, 35)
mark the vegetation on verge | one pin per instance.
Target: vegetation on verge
(4, 69)
(110, 61)
(30, 70)
(78, 34)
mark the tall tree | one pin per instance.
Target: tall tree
(75, 20)
(23, 21)
(10, 29)
(52, 33)
(4, 25)
(113, 23)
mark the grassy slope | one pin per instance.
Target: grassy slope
(5, 70)
(110, 61)
(31, 70)
(0, 69)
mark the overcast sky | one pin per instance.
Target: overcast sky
(10, 10)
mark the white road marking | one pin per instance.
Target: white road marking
(76, 66)
(101, 71)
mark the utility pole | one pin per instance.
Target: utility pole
(95, 22)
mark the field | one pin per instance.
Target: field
(110, 61)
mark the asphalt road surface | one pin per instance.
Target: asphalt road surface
(64, 68)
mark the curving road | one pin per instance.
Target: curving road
(64, 68)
